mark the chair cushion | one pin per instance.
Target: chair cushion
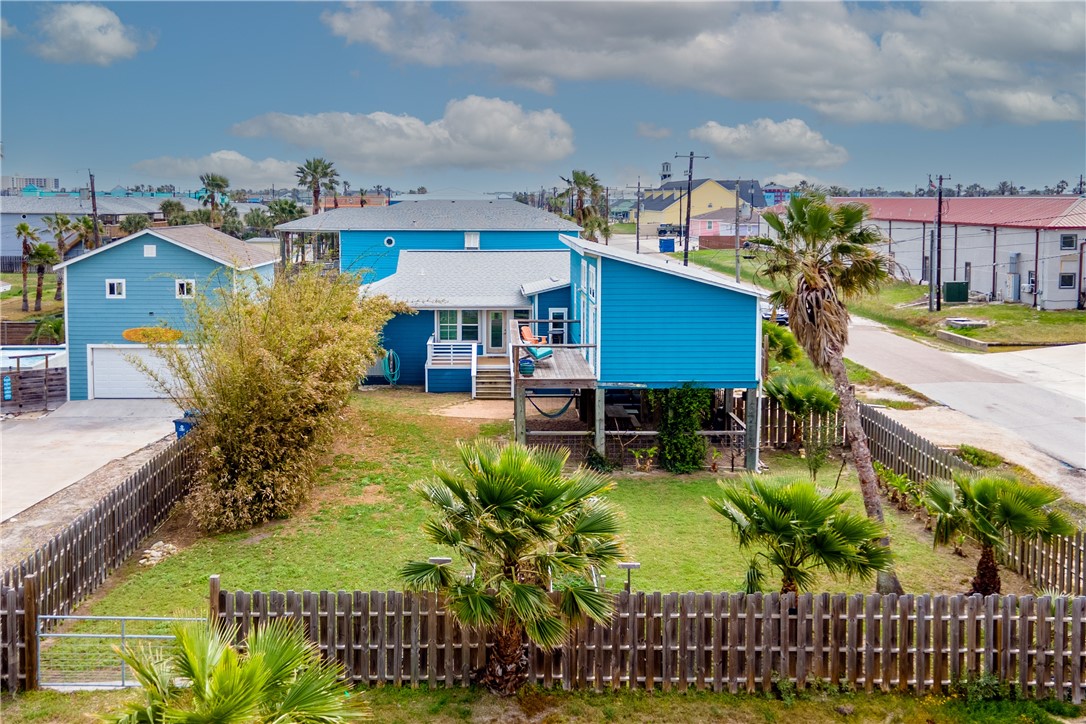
(540, 353)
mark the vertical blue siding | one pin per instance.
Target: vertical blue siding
(406, 335)
(149, 296)
(554, 299)
(449, 380)
(365, 251)
(661, 330)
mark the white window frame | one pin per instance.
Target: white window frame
(471, 239)
(592, 286)
(708, 225)
(458, 325)
(1069, 275)
(181, 285)
(150, 250)
(114, 295)
(584, 273)
(558, 329)
(1068, 241)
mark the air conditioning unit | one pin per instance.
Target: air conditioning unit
(1027, 288)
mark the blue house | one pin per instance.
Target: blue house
(642, 322)
(143, 280)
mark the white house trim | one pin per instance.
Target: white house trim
(115, 244)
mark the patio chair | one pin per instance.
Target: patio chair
(535, 350)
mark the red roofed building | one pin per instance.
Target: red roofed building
(1026, 249)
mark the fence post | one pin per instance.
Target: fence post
(30, 630)
(213, 600)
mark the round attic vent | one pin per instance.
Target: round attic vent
(389, 241)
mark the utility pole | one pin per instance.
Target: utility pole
(736, 235)
(637, 217)
(689, 194)
(939, 245)
(931, 271)
(94, 212)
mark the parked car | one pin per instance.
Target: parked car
(767, 311)
(671, 230)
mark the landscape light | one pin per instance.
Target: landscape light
(439, 560)
(629, 567)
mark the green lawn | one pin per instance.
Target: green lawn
(11, 300)
(1016, 324)
(407, 706)
(363, 523)
(624, 227)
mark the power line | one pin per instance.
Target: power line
(689, 194)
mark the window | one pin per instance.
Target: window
(389, 241)
(708, 226)
(1068, 241)
(471, 239)
(458, 326)
(584, 273)
(1067, 281)
(115, 289)
(150, 250)
(591, 283)
(184, 288)
(558, 330)
(968, 272)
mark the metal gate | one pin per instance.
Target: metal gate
(79, 652)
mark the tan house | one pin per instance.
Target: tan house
(667, 204)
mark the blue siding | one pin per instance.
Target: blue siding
(545, 302)
(449, 380)
(406, 335)
(150, 296)
(365, 251)
(661, 330)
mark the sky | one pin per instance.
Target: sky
(489, 96)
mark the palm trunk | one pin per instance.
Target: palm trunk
(25, 268)
(316, 201)
(789, 586)
(506, 668)
(41, 288)
(861, 458)
(987, 580)
(61, 249)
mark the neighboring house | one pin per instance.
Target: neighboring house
(750, 191)
(371, 238)
(667, 204)
(142, 280)
(776, 194)
(1026, 249)
(468, 309)
(622, 209)
(643, 322)
(716, 229)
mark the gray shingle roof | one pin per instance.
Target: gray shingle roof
(75, 206)
(496, 215)
(203, 240)
(471, 279)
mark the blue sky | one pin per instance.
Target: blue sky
(508, 96)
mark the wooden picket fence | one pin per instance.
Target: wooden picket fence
(1058, 564)
(701, 641)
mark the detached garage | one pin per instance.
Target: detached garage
(146, 280)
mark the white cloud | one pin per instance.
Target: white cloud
(87, 33)
(854, 63)
(1025, 106)
(7, 30)
(786, 142)
(474, 132)
(793, 178)
(651, 130)
(241, 170)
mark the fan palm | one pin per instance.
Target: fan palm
(799, 531)
(313, 175)
(524, 527)
(85, 232)
(135, 222)
(584, 193)
(171, 208)
(214, 184)
(259, 221)
(41, 255)
(28, 236)
(61, 227)
(802, 395)
(823, 255)
(48, 330)
(984, 508)
(280, 677)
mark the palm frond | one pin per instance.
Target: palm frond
(425, 576)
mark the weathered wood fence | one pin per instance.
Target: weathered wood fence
(723, 642)
(1058, 564)
(37, 389)
(78, 560)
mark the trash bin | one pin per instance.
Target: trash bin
(182, 426)
(667, 246)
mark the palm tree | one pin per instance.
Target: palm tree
(214, 184)
(823, 255)
(1006, 188)
(284, 210)
(332, 186)
(60, 226)
(259, 221)
(135, 222)
(48, 330)
(28, 236)
(171, 208)
(279, 676)
(802, 395)
(523, 527)
(84, 232)
(40, 256)
(984, 508)
(584, 193)
(799, 531)
(313, 175)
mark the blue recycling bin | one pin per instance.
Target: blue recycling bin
(667, 246)
(182, 426)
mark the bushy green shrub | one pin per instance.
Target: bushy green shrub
(270, 367)
(682, 412)
(978, 457)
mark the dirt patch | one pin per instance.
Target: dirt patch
(35, 526)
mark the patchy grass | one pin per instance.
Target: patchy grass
(979, 458)
(11, 301)
(624, 227)
(406, 706)
(363, 523)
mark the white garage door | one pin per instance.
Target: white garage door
(114, 377)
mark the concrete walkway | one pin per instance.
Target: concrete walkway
(43, 455)
(1037, 394)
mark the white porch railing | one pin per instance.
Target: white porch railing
(474, 370)
(450, 354)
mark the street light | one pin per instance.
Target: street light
(629, 567)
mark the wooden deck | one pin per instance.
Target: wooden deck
(566, 368)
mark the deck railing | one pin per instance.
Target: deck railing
(451, 354)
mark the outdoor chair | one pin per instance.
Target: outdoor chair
(535, 350)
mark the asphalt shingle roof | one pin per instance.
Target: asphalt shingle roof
(496, 215)
(75, 206)
(472, 279)
(203, 240)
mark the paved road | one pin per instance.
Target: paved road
(44, 455)
(1039, 394)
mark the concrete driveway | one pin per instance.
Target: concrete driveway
(43, 455)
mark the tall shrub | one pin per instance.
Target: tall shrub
(269, 367)
(682, 411)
